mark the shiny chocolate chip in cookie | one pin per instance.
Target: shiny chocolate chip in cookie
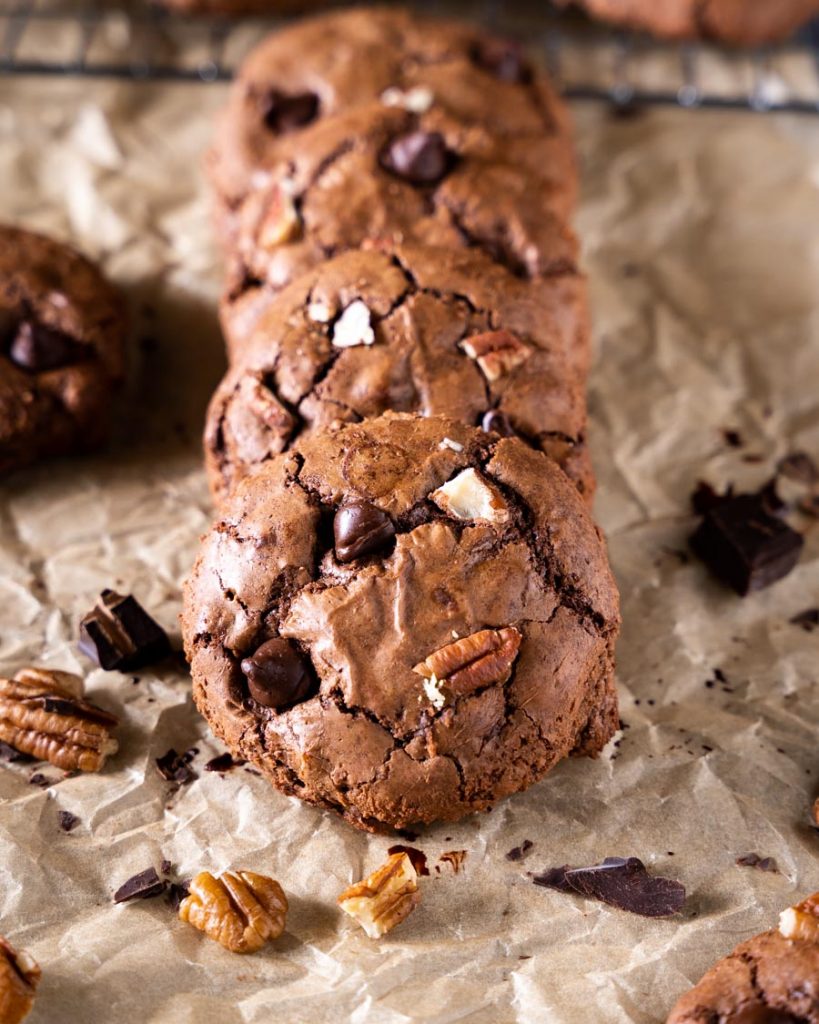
(418, 157)
(283, 113)
(38, 348)
(359, 529)
(277, 676)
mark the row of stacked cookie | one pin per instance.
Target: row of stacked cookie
(405, 611)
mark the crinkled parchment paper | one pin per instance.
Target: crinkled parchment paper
(701, 233)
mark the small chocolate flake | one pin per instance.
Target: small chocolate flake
(733, 438)
(808, 619)
(519, 852)
(165, 867)
(43, 781)
(222, 763)
(798, 466)
(417, 857)
(455, 859)
(140, 887)
(408, 834)
(753, 860)
(68, 821)
(177, 891)
(176, 767)
(620, 882)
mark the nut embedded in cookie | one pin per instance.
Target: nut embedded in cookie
(471, 662)
(241, 910)
(469, 496)
(496, 352)
(19, 977)
(802, 921)
(42, 713)
(383, 899)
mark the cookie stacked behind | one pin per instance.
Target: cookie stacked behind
(409, 341)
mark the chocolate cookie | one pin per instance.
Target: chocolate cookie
(741, 22)
(324, 66)
(62, 329)
(404, 620)
(386, 174)
(425, 330)
(770, 979)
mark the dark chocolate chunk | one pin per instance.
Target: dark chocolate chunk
(68, 821)
(798, 466)
(118, 634)
(277, 675)
(43, 781)
(753, 860)
(496, 422)
(503, 58)
(745, 545)
(165, 867)
(519, 852)
(419, 157)
(177, 891)
(621, 882)
(417, 857)
(222, 763)
(11, 754)
(38, 348)
(808, 619)
(809, 505)
(141, 887)
(733, 438)
(176, 767)
(705, 497)
(359, 529)
(283, 113)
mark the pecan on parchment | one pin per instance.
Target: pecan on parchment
(19, 976)
(240, 909)
(471, 662)
(384, 898)
(43, 713)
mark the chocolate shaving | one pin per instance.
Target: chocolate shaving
(519, 852)
(753, 860)
(43, 781)
(176, 768)
(222, 763)
(418, 857)
(455, 858)
(798, 466)
(177, 891)
(808, 619)
(140, 887)
(68, 821)
(620, 882)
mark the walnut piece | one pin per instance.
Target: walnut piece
(469, 496)
(354, 327)
(384, 898)
(240, 909)
(19, 977)
(42, 713)
(471, 662)
(801, 921)
(496, 352)
(280, 222)
(417, 100)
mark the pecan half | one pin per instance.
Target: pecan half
(280, 222)
(384, 898)
(801, 921)
(469, 496)
(19, 976)
(42, 713)
(496, 352)
(473, 661)
(240, 909)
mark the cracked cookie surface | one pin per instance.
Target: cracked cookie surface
(457, 552)
(767, 980)
(742, 22)
(425, 307)
(62, 330)
(306, 74)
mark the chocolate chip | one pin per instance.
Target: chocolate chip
(753, 860)
(165, 867)
(705, 497)
(620, 882)
(503, 58)
(38, 348)
(140, 887)
(283, 113)
(68, 821)
(118, 634)
(43, 781)
(496, 422)
(175, 767)
(178, 891)
(733, 438)
(798, 466)
(745, 545)
(222, 763)
(808, 619)
(419, 157)
(277, 675)
(519, 852)
(359, 529)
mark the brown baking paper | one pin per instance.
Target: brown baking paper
(700, 231)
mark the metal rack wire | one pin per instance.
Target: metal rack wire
(136, 41)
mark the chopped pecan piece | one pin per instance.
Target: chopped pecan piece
(384, 898)
(42, 713)
(266, 407)
(240, 909)
(19, 977)
(467, 664)
(280, 221)
(801, 921)
(496, 352)
(469, 496)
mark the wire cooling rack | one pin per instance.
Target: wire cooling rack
(134, 40)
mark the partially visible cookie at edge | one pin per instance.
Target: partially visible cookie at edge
(404, 620)
(62, 335)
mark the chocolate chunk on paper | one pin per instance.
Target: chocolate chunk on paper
(621, 882)
(119, 635)
(176, 767)
(140, 887)
(68, 821)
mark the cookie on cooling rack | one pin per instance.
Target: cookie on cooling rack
(404, 620)
(62, 329)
